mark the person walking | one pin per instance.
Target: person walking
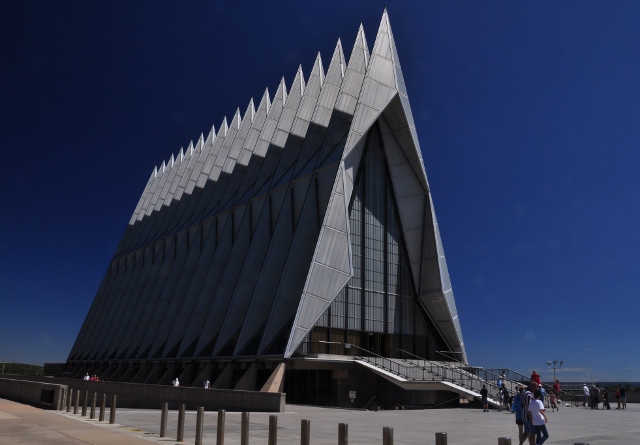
(556, 387)
(176, 382)
(538, 418)
(585, 390)
(623, 396)
(552, 401)
(604, 392)
(516, 409)
(535, 377)
(485, 403)
(618, 395)
(527, 399)
(207, 384)
(595, 396)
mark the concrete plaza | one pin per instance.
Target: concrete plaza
(464, 426)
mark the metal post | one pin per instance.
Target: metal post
(305, 432)
(103, 404)
(76, 402)
(112, 409)
(199, 423)
(441, 438)
(163, 419)
(343, 434)
(69, 396)
(244, 429)
(180, 433)
(220, 428)
(85, 401)
(387, 436)
(273, 430)
(504, 441)
(94, 399)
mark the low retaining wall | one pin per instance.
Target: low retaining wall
(137, 395)
(40, 394)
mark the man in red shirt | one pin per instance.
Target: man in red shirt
(535, 377)
(556, 387)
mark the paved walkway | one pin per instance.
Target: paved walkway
(464, 426)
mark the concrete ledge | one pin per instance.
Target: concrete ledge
(39, 394)
(137, 395)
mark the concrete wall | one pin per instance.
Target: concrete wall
(42, 395)
(137, 395)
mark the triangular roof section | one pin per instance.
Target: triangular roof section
(383, 97)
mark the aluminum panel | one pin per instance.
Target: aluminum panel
(376, 95)
(333, 251)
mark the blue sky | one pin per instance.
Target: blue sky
(528, 114)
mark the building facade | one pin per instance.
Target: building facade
(302, 228)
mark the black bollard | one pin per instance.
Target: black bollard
(220, 428)
(76, 402)
(387, 436)
(305, 432)
(103, 405)
(199, 424)
(92, 413)
(441, 438)
(244, 429)
(273, 430)
(112, 409)
(343, 434)
(180, 433)
(163, 419)
(504, 441)
(85, 402)
(69, 396)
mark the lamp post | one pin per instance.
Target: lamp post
(555, 365)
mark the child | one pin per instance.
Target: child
(538, 417)
(552, 400)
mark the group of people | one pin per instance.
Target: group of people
(529, 410)
(93, 378)
(592, 396)
(176, 383)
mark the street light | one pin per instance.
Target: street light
(555, 365)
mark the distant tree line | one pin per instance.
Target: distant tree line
(21, 369)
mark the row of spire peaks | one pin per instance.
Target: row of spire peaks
(360, 44)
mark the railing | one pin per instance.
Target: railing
(563, 396)
(423, 370)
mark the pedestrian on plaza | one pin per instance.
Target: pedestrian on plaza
(500, 397)
(485, 403)
(623, 396)
(505, 397)
(516, 408)
(176, 382)
(207, 384)
(538, 418)
(86, 377)
(527, 398)
(499, 382)
(552, 401)
(535, 377)
(556, 387)
(604, 392)
(595, 396)
(585, 390)
(544, 393)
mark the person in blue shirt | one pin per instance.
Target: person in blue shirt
(516, 407)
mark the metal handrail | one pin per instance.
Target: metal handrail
(454, 369)
(567, 396)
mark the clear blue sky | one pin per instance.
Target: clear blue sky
(528, 114)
